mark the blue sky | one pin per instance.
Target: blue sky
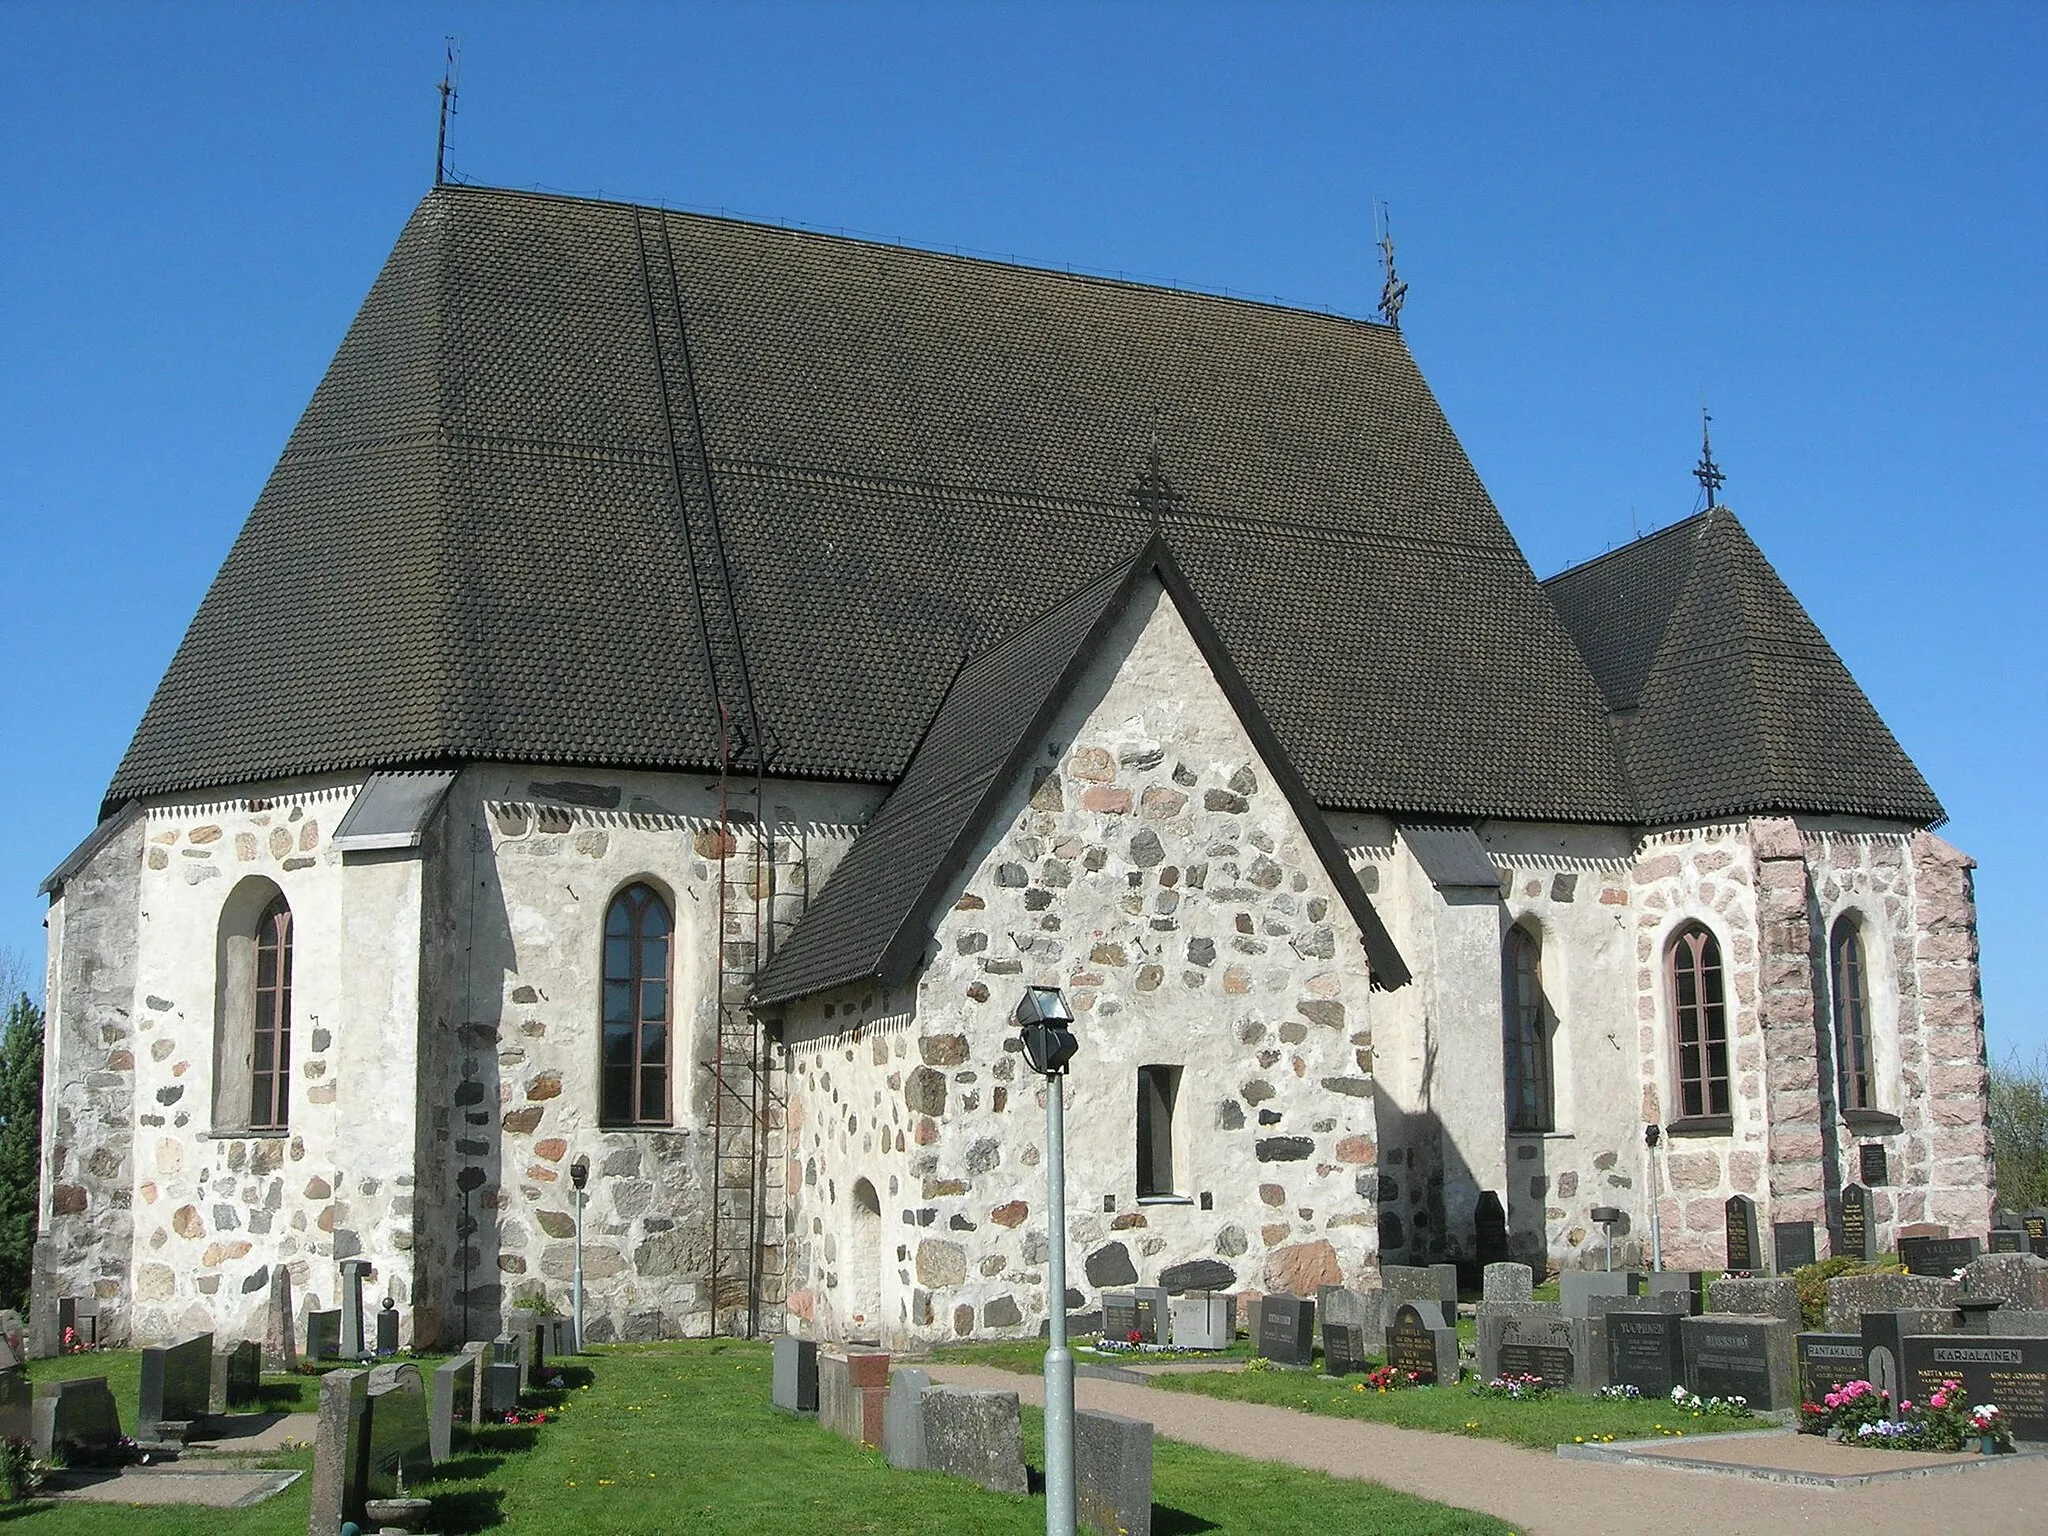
(1828, 219)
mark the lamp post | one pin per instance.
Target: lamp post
(1652, 1134)
(579, 1175)
(1042, 1019)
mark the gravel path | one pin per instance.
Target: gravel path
(1547, 1495)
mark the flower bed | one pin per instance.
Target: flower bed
(1513, 1388)
(1857, 1413)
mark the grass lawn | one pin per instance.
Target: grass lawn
(671, 1437)
(1540, 1424)
(1027, 1356)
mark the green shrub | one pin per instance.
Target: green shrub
(1812, 1280)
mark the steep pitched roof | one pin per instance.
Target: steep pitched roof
(1726, 698)
(874, 915)
(478, 543)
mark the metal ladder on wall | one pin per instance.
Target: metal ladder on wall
(748, 1205)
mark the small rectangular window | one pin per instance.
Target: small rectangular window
(1158, 1088)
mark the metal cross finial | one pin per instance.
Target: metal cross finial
(1393, 292)
(1708, 473)
(1155, 494)
(447, 111)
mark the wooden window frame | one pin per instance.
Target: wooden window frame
(270, 1027)
(1150, 1137)
(1527, 1027)
(1698, 982)
(1855, 1047)
(636, 900)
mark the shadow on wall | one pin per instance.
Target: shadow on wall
(471, 952)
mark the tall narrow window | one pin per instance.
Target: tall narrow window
(637, 929)
(270, 1054)
(1158, 1087)
(1852, 1015)
(1700, 1023)
(1525, 1034)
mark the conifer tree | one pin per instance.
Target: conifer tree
(21, 1136)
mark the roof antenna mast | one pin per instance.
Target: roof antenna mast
(447, 111)
(1393, 292)
(1707, 472)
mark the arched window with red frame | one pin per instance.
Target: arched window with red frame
(1699, 1010)
(270, 1041)
(638, 1015)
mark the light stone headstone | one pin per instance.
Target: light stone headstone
(975, 1435)
(450, 1395)
(1850, 1296)
(1362, 1309)
(280, 1324)
(1112, 1474)
(339, 1443)
(1507, 1281)
(903, 1419)
(2018, 1279)
(1776, 1297)
(1199, 1320)
(794, 1385)
(852, 1387)
(1437, 1283)
(481, 1354)
(353, 1339)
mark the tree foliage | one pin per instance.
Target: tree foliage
(2019, 1130)
(21, 1138)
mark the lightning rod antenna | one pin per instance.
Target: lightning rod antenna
(448, 89)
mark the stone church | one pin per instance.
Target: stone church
(684, 679)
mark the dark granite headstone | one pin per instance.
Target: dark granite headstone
(1112, 1474)
(399, 1442)
(1871, 1165)
(794, 1387)
(1546, 1344)
(903, 1442)
(1418, 1340)
(1343, 1349)
(1689, 1283)
(340, 1452)
(1739, 1217)
(501, 1380)
(1827, 1361)
(2035, 1224)
(1150, 1307)
(1287, 1326)
(1734, 1356)
(975, 1435)
(323, 1335)
(1490, 1229)
(80, 1317)
(1859, 1232)
(1936, 1255)
(237, 1378)
(449, 1397)
(1119, 1316)
(76, 1419)
(2008, 1240)
(1645, 1350)
(387, 1328)
(1792, 1245)
(17, 1400)
(2011, 1372)
(177, 1380)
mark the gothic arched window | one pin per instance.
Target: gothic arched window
(270, 1040)
(1525, 1034)
(1699, 1024)
(1851, 980)
(637, 1014)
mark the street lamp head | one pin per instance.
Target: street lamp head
(1043, 1017)
(1652, 1134)
(579, 1173)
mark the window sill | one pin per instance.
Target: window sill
(1701, 1125)
(273, 1133)
(649, 1130)
(1875, 1121)
(1166, 1199)
(1542, 1135)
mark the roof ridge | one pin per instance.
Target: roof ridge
(1634, 545)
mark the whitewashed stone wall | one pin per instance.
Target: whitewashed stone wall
(1151, 868)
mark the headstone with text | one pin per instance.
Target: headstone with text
(1149, 1307)
(1119, 1315)
(1740, 1242)
(1286, 1330)
(1859, 1232)
(1199, 1320)
(177, 1380)
(2007, 1240)
(1729, 1355)
(1792, 1245)
(1421, 1342)
(1936, 1255)
(1645, 1350)
(1532, 1343)
(1872, 1166)
(1343, 1349)
(1827, 1361)
(2035, 1224)
(2009, 1371)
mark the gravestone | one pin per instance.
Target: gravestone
(1644, 1350)
(558, 1334)
(481, 1354)
(387, 1328)
(1343, 1349)
(399, 1443)
(78, 1316)
(17, 1406)
(1419, 1341)
(1689, 1283)
(501, 1381)
(1740, 1244)
(177, 1379)
(1939, 1256)
(237, 1378)
(795, 1382)
(1531, 1340)
(1119, 1316)
(1871, 1165)
(975, 1435)
(1850, 1296)
(340, 1448)
(1859, 1232)
(353, 1345)
(1490, 1229)
(2008, 1240)
(903, 1443)
(1792, 1245)
(1112, 1474)
(1827, 1361)
(851, 1389)
(1774, 1297)
(76, 1419)
(280, 1325)
(1287, 1329)
(450, 1395)
(1199, 1320)
(13, 1334)
(1412, 1282)
(1339, 1304)
(2035, 1224)
(1576, 1286)
(2018, 1279)
(1150, 1302)
(1740, 1356)
(1506, 1282)
(529, 1344)
(323, 1335)
(2009, 1371)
